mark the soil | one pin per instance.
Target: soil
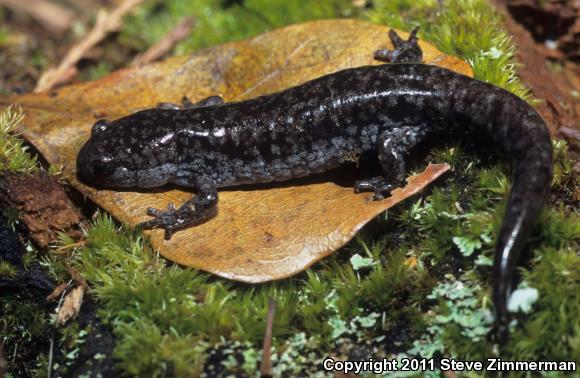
(43, 206)
(547, 35)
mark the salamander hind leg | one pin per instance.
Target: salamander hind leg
(405, 51)
(198, 210)
(392, 148)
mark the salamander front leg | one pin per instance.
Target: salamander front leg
(392, 148)
(208, 101)
(379, 185)
(405, 51)
(198, 210)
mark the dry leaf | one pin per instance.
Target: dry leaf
(259, 234)
(57, 292)
(71, 305)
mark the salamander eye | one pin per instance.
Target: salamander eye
(99, 126)
(103, 168)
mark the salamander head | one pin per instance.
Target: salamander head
(134, 151)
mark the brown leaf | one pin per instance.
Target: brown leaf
(259, 234)
(57, 292)
(71, 305)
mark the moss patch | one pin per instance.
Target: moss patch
(225, 20)
(417, 283)
(13, 154)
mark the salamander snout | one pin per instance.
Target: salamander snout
(95, 167)
(127, 152)
(98, 161)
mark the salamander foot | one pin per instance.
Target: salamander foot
(197, 210)
(405, 51)
(173, 219)
(168, 219)
(378, 185)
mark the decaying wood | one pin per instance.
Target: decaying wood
(43, 206)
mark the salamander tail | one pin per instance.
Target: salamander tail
(532, 173)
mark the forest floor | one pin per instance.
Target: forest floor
(423, 289)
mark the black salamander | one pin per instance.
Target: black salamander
(317, 126)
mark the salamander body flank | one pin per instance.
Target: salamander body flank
(319, 125)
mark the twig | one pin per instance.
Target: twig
(155, 52)
(266, 365)
(51, 340)
(57, 292)
(69, 246)
(53, 17)
(76, 276)
(105, 23)
(50, 356)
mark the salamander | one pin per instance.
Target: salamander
(319, 125)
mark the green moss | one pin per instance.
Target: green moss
(3, 36)
(13, 154)
(7, 270)
(558, 229)
(222, 21)
(24, 324)
(459, 319)
(552, 331)
(462, 218)
(564, 176)
(156, 310)
(101, 69)
(145, 350)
